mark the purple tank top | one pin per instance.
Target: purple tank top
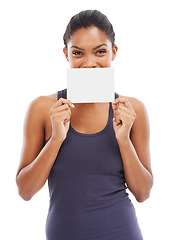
(88, 198)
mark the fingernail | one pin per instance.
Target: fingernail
(73, 105)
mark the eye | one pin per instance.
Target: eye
(77, 53)
(101, 51)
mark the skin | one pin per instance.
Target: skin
(46, 117)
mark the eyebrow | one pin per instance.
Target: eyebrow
(92, 49)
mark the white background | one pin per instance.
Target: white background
(32, 64)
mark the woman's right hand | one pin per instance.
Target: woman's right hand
(60, 114)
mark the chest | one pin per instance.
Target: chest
(90, 122)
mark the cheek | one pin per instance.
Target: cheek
(74, 62)
(108, 57)
(107, 60)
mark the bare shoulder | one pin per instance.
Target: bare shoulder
(43, 103)
(38, 109)
(52, 98)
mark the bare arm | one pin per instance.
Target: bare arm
(135, 150)
(37, 159)
(33, 176)
(138, 178)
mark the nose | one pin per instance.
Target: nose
(89, 62)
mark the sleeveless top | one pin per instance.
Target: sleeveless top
(88, 198)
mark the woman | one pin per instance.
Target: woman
(88, 152)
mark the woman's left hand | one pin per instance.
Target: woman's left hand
(123, 119)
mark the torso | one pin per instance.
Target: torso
(87, 122)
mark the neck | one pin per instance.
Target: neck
(92, 106)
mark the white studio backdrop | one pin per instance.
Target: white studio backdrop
(146, 67)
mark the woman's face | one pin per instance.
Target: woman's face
(89, 48)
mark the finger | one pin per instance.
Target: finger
(127, 110)
(62, 101)
(124, 101)
(117, 121)
(116, 104)
(116, 107)
(121, 112)
(60, 109)
(61, 115)
(125, 117)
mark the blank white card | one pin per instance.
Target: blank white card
(87, 85)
